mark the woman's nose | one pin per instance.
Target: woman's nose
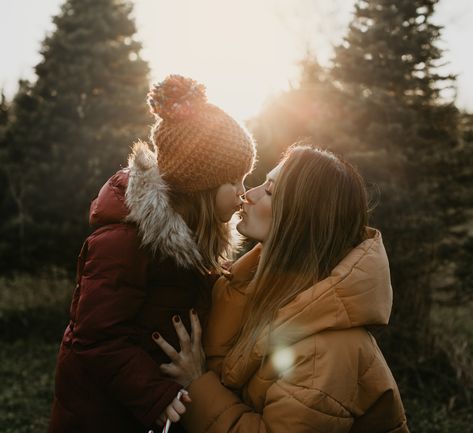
(251, 196)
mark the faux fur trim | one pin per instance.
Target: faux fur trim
(161, 227)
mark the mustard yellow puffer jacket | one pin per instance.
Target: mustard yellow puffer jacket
(323, 371)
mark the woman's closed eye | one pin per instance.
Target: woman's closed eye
(268, 187)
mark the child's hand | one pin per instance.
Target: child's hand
(175, 409)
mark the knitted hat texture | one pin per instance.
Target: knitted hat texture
(199, 146)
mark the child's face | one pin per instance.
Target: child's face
(228, 199)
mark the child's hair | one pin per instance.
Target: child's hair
(216, 241)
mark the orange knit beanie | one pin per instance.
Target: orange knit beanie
(199, 146)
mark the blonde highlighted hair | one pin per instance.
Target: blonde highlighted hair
(319, 213)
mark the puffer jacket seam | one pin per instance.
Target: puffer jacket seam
(291, 394)
(332, 288)
(217, 416)
(352, 268)
(314, 365)
(370, 364)
(360, 376)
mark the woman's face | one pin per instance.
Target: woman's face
(256, 214)
(228, 199)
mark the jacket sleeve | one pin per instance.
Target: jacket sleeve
(287, 408)
(112, 293)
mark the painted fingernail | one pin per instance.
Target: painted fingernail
(176, 319)
(156, 336)
(193, 311)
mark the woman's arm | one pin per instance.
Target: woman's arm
(287, 408)
(215, 409)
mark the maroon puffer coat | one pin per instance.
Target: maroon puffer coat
(107, 375)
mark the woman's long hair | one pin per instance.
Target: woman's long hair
(216, 240)
(319, 213)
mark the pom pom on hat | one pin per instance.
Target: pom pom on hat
(198, 145)
(176, 98)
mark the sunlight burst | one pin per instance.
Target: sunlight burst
(239, 50)
(283, 359)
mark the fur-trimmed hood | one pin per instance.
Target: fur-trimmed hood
(138, 194)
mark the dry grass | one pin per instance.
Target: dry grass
(33, 314)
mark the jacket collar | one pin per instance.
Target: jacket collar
(162, 229)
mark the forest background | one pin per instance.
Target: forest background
(383, 101)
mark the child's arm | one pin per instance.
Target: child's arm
(112, 294)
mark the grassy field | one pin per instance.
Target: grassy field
(27, 376)
(33, 314)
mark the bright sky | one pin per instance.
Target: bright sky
(243, 51)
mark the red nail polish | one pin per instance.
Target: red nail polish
(193, 311)
(176, 319)
(156, 335)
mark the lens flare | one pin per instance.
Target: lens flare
(283, 359)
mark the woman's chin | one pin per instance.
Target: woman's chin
(241, 228)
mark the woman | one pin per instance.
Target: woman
(286, 342)
(161, 234)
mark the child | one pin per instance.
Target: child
(162, 231)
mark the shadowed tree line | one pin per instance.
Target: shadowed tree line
(67, 131)
(382, 104)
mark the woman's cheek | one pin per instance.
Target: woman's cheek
(264, 215)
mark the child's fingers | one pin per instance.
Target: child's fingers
(186, 398)
(172, 414)
(178, 406)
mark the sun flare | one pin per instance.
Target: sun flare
(237, 49)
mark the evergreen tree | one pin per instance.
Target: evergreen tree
(72, 128)
(460, 247)
(3, 110)
(387, 68)
(303, 111)
(16, 170)
(4, 115)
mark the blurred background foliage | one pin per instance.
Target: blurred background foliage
(382, 104)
